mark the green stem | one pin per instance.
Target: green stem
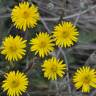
(68, 79)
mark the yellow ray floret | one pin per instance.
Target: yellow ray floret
(53, 68)
(65, 34)
(85, 78)
(25, 16)
(42, 44)
(13, 48)
(15, 83)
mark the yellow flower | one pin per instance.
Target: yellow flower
(25, 16)
(53, 68)
(42, 44)
(13, 48)
(85, 78)
(65, 34)
(15, 83)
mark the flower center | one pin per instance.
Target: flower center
(86, 79)
(65, 34)
(25, 14)
(42, 44)
(54, 68)
(14, 84)
(13, 48)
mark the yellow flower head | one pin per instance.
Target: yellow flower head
(42, 44)
(85, 78)
(13, 48)
(25, 16)
(53, 68)
(15, 83)
(65, 34)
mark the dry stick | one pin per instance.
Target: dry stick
(75, 23)
(57, 18)
(70, 16)
(41, 8)
(5, 16)
(66, 62)
(10, 29)
(43, 93)
(57, 93)
(45, 25)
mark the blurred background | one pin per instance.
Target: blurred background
(81, 13)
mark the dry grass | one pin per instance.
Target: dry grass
(83, 14)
